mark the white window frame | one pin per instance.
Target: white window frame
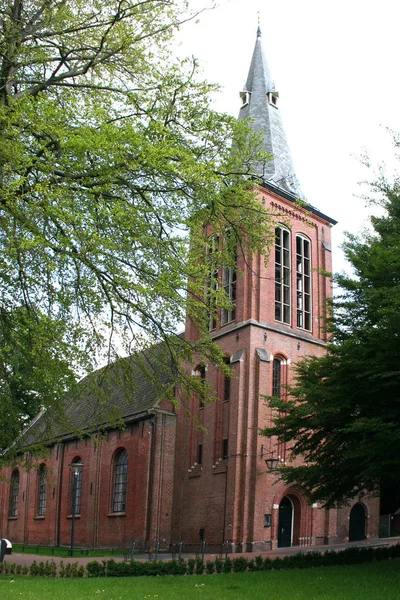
(283, 284)
(303, 283)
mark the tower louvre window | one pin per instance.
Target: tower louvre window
(212, 281)
(303, 282)
(229, 287)
(282, 275)
(229, 278)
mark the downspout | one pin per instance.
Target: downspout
(151, 478)
(58, 509)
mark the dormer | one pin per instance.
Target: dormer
(245, 98)
(273, 98)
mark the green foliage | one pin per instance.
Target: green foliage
(239, 564)
(227, 567)
(191, 563)
(110, 154)
(218, 564)
(94, 569)
(111, 568)
(343, 414)
(210, 567)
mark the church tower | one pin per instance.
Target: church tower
(225, 488)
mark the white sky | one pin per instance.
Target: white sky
(336, 67)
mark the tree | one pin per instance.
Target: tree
(110, 154)
(344, 411)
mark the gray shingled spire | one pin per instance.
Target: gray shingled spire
(260, 103)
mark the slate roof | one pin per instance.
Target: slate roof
(121, 392)
(266, 119)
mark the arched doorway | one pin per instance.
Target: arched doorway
(357, 523)
(285, 523)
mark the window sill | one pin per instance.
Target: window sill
(227, 323)
(117, 514)
(77, 516)
(12, 518)
(39, 518)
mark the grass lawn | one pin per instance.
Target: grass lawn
(371, 581)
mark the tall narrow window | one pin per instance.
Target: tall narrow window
(14, 494)
(225, 447)
(303, 282)
(229, 287)
(42, 490)
(200, 374)
(229, 279)
(282, 275)
(200, 454)
(276, 377)
(227, 381)
(120, 481)
(212, 281)
(78, 486)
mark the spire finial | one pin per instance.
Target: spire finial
(258, 28)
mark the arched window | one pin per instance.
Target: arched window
(120, 481)
(42, 489)
(276, 377)
(14, 493)
(282, 275)
(78, 487)
(303, 282)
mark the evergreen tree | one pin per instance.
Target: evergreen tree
(344, 412)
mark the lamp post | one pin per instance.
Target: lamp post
(76, 469)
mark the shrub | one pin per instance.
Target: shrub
(267, 564)
(34, 570)
(190, 566)
(218, 564)
(227, 567)
(210, 567)
(175, 567)
(239, 564)
(61, 569)
(199, 566)
(251, 565)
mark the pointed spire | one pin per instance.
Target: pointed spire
(260, 103)
(259, 27)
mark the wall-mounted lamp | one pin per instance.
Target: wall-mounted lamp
(265, 336)
(271, 463)
(298, 345)
(237, 337)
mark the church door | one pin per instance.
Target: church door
(357, 523)
(285, 523)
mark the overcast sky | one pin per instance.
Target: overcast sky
(336, 67)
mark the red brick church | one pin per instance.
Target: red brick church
(162, 481)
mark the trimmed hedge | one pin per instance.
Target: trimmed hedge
(133, 568)
(306, 560)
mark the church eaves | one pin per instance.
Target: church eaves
(260, 104)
